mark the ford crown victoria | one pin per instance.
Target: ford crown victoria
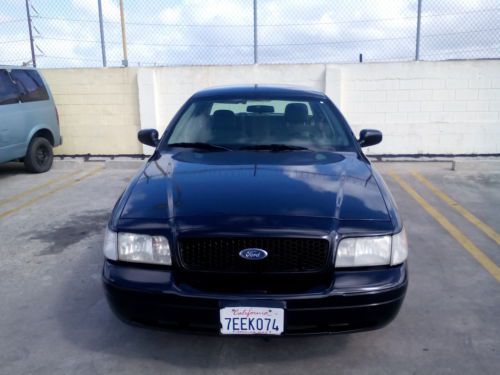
(258, 213)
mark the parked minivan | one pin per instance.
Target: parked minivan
(29, 123)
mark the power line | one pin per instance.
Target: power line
(12, 21)
(166, 44)
(378, 39)
(146, 23)
(276, 24)
(379, 19)
(224, 45)
(76, 58)
(13, 41)
(463, 50)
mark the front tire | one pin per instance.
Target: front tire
(39, 157)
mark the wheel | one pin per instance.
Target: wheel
(39, 157)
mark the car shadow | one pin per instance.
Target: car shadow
(87, 322)
(12, 168)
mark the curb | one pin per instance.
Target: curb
(480, 165)
(489, 165)
(471, 165)
(67, 164)
(124, 164)
(133, 164)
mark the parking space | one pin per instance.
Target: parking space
(54, 318)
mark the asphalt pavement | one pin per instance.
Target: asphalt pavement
(54, 318)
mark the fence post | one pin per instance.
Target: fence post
(32, 41)
(419, 16)
(101, 29)
(255, 57)
(124, 37)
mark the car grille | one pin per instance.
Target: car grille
(284, 255)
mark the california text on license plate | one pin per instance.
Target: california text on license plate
(242, 320)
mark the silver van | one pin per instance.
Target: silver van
(29, 123)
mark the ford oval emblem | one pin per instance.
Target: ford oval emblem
(253, 254)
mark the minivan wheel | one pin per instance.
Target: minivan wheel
(39, 157)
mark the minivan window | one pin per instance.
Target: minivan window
(8, 90)
(30, 85)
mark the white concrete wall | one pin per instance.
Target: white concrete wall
(98, 110)
(175, 85)
(448, 107)
(421, 107)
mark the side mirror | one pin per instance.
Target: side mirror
(148, 137)
(369, 137)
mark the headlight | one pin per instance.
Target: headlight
(139, 248)
(372, 251)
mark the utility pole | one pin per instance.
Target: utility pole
(32, 41)
(101, 29)
(419, 16)
(124, 37)
(255, 57)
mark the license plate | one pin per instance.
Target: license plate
(241, 320)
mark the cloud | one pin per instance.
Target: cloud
(16, 52)
(170, 15)
(221, 31)
(224, 11)
(4, 18)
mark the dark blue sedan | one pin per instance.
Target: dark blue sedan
(258, 213)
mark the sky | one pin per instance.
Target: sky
(205, 32)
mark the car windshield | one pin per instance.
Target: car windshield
(260, 124)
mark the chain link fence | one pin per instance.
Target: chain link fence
(67, 33)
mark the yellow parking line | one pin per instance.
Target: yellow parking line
(38, 187)
(473, 250)
(50, 192)
(489, 231)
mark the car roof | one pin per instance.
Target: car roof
(258, 90)
(10, 67)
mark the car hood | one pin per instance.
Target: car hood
(255, 184)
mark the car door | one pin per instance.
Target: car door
(11, 119)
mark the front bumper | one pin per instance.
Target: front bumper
(357, 300)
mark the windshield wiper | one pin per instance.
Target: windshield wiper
(274, 147)
(200, 145)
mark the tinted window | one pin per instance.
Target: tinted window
(8, 90)
(244, 122)
(30, 85)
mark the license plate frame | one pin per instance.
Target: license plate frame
(264, 318)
